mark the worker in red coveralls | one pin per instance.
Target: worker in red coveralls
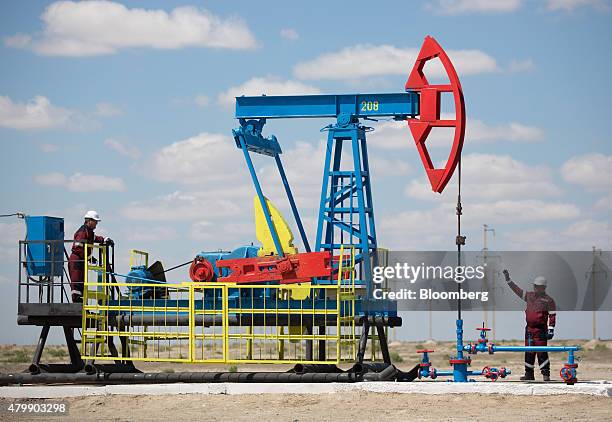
(76, 264)
(541, 316)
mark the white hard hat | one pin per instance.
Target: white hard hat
(539, 281)
(93, 215)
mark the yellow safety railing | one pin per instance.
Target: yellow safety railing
(94, 290)
(138, 258)
(221, 322)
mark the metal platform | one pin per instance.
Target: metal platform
(53, 314)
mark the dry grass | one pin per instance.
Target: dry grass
(595, 360)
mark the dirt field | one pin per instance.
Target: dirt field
(335, 407)
(595, 364)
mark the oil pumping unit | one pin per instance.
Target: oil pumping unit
(269, 303)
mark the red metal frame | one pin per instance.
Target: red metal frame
(430, 112)
(298, 268)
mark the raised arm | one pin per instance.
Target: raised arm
(516, 289)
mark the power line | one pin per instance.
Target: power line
(18, 214)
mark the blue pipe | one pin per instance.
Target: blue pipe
(460, 370)
(535, 349)
(482, 347)
(452, 373)
(444, 373)
(461, 373)
(459, 339)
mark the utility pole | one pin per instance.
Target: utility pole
(430, 321)
(485, 250)
(593, 291)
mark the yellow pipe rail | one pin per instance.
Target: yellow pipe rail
(218, 342)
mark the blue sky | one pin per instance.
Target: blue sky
(126, 108)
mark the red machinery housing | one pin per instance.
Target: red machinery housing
(298, 268)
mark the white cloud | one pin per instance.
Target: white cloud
(454, 7)
(521, 65)
(185, 206)
(51, 179)
(522, 211)
(108, 110)
(479, 131)
(104, 27)
(590, 229)
(391, 135)
(201, 100)
(591, 171)
(48, 147)
(417, 229)
(435, 228)
(496, 189)
(396, 135)
(38, 113)
(366, 60)
(122, 148)
(151, 234)
(289, 34)
(204, 158)
(581, 235)
(10, 235)
(201, 230)
(604, 204)
(79, 182)
(227, 233)
(489, 177)
(383, 167)
(570, 5)
(18, 41)
(268, 85)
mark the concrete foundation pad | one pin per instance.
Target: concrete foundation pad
(593, 388)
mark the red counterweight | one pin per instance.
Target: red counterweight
(201, 270)
(298, 268)
(430, 112)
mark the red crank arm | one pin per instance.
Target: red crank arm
(430, 112)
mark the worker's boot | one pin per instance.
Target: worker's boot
(528, 376)
(546, 377)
